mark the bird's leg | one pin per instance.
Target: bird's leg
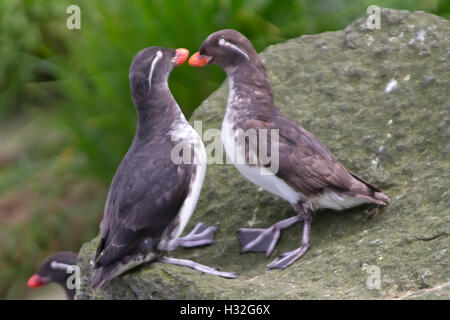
(201, 235)
(290, 257)
(257, 240)
(197, 266)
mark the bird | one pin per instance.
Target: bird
(58, 267)
(154, 192)
(304, 173)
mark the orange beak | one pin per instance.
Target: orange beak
(36, 281)
(181, 55)
(197, 60)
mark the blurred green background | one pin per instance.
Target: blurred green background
(66, 117)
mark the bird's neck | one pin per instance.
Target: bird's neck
(249, 87)
(62, 279)
(156, 111)
(69, 292)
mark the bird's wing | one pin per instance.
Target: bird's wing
(144, 198)
(304, 163)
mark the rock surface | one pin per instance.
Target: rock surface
(380, 101)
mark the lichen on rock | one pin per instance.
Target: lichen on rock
(380, 101)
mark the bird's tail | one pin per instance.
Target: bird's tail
(381, 197)
(372, 193)
(100, 278)
(106, 273)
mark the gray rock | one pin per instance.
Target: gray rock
(379, 100)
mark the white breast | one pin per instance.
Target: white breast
(184, 131)
(260, 176)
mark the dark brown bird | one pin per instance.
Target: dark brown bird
(152, 196)
(303, 172)
(56, 268)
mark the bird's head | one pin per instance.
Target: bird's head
(152, 66)
(56, 268)
(227, 48)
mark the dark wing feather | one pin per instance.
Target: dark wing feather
(304, 164)
(144, 198)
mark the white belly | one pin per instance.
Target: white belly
(260, 176)
(189, 204)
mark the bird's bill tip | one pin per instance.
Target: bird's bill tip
(35, 281)
(198, 60)
(181, 54)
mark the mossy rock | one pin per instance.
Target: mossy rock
(380, 101)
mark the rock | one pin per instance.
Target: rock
(335, 85)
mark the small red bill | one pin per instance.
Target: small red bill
(181, 55)
(36, 281)
(198, 60)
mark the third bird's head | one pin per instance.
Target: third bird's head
(151, 67)
(56, 268)
(226, 48)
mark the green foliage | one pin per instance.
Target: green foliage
(28, 39)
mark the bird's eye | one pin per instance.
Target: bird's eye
(224, 43)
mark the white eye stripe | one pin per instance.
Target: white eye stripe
(224, 43)
(155, 60)
(62, 266)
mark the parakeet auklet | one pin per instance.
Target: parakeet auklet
(153, 194)
(56, 268)
(307, 175)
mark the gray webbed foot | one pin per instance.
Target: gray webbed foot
(201, 235)
(258, 240)
(264, 240)
(286, 259)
